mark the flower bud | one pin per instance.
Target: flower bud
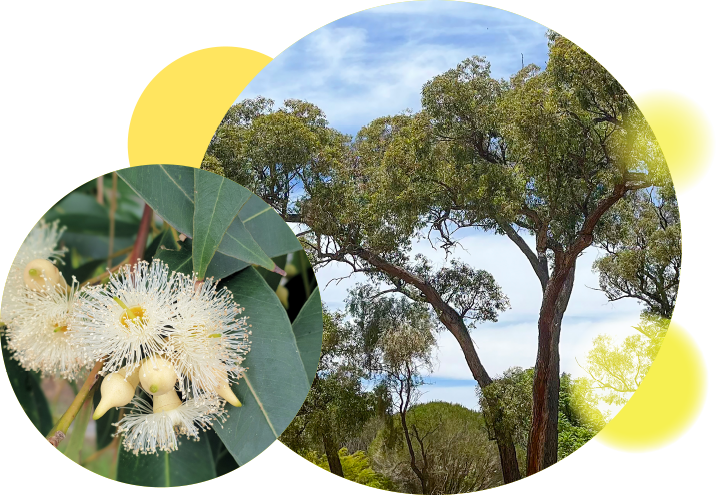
(165, 402)
(116, 392)
(224, 390)
(40, 274)
(157, 376)
(291, 270)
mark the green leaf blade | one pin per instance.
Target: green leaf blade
(275, 384)
(217, 202)
(308, 329)
(238, 243)
(268, 228)
(167, 189)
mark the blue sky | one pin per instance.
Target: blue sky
(374, 63)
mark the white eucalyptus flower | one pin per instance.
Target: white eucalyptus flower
(208, 340)
(147, 429)
(41, 243)
(127, 319)
(39, 333)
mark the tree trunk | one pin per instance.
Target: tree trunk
(334, 461)
(542, 443)
(505, 445)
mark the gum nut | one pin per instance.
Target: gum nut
(116, 392)
(165, 402)
(282, 293)
(40, 273)
(225, 392)
(157, 376)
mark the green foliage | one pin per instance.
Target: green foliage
(337, 405)
(579, 417)
(356, 468)
(192, 463)
(171, 192)
(216, 204)
(641, 238)
(617, 370)
(453, 450)
(275, 383)
(271, 151)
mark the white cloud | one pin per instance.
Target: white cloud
(374, 63)
(512, 341)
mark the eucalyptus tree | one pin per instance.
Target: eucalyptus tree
(397, 338)
(548, 153)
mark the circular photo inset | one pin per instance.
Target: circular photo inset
(499, 264)
(161, 325)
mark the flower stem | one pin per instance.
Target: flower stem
(86, 392)
(99, 278)
(112, 213)
(141, 243)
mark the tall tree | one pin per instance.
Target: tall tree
(548, 153)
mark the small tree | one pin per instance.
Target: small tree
(455, 454)
(337, 405)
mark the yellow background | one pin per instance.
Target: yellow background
(127, 83)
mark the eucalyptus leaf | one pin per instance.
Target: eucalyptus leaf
(164, 240)
(308, 329)
(167, 189)
(268, 228)
(273, 278)
(178, 261)
(223, 460)
(217, 201)
(238, 243)
(222, 266)
(274, 384)
(191, 463)
(26, 386)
